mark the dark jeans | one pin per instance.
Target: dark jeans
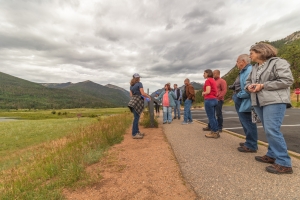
(219, 115)
(157, 108)
(250, 128)
(135, 124)
(210, 109)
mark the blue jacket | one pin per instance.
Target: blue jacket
(171, 95)
(246, 102)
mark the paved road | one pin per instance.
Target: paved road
(216, 170)
(290, 127)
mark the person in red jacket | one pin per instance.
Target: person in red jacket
(221, 92)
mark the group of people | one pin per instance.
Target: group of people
(263, 89)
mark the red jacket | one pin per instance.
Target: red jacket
(221, 88)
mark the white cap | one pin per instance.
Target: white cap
(136, 75)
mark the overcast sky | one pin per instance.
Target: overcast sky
(107, 41)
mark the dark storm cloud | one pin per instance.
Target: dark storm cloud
(108, 41)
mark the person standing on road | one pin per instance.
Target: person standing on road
(168, 101)
(269, 84)
(210, 103)
(136, 104)
(242, 103)
(178, 98)
(221, 92)
(188, 98)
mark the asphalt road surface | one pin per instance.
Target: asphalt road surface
(290, 127)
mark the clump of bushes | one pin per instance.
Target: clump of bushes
(146, 121)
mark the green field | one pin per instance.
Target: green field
(60, 114)
(44, 152)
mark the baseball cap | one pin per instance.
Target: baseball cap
(136, 75)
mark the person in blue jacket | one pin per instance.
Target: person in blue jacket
(168, 102)
(242, 102)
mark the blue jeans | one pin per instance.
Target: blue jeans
(250, 129)
(210, 109)
(167, 114)
(177, 109)
(271, 117)
(219, 115)
(135, 124)
(187, 111)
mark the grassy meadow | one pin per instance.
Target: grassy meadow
(42, 154)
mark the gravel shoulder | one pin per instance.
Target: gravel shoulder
(137, 169)
(216, 170)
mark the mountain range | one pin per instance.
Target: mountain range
(17, 93)
(197, 86)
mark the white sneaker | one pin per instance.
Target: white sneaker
(137, 136)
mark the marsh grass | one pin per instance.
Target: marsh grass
(62, 163)
(20, 140)
(60, 113)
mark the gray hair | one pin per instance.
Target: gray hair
(245, 57)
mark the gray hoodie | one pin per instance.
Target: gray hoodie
(277, 79)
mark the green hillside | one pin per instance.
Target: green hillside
(114, 96)
(16, 93)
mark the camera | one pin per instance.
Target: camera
(231, 87)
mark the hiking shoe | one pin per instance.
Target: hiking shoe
(174, 118)
(137, 136)
(265, 159)
(212, 135)
(278, 169)
(142, 134)
(184, 123)
(164, 122)
(190, 122)
(246, 150)
(206, 129)
(242, 144)
(220, 130)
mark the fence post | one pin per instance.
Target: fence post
(151, 111)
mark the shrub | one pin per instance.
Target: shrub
(146, 122)
(53, 112)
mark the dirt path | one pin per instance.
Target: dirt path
(137, 169)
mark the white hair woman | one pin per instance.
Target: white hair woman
(269, 84)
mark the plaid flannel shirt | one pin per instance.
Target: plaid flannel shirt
(137, 103)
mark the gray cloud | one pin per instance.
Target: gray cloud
(108, 41)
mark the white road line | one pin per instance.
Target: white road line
(230, 117)
(260, 127)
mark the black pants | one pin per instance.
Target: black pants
(157, 108)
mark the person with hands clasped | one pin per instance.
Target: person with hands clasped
(168, 101)
(210, 102)
(242, 104)
(269, 84)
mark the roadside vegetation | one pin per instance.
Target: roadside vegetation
(39, 158)
(35, 114)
